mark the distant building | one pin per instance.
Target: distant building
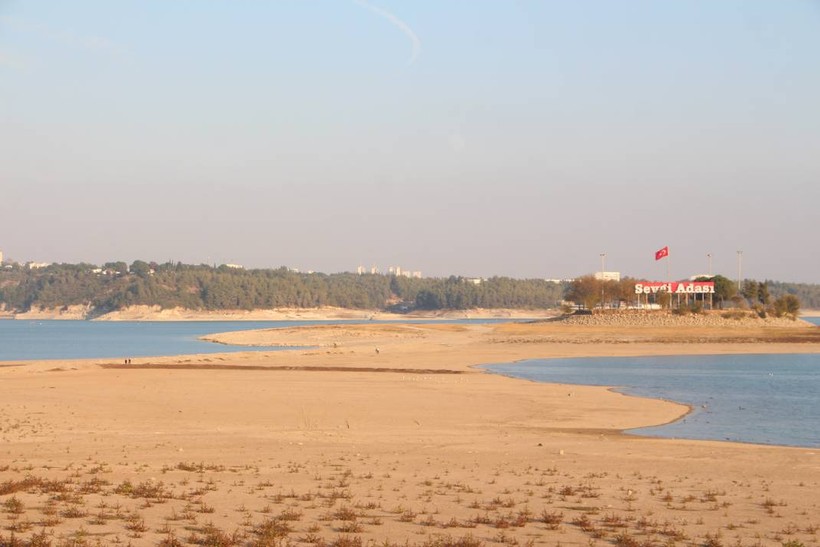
(234, 266)
(474, 280)
(398, 271)
(37, 265)
(608, 276)
(1, 257)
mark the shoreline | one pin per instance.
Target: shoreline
(689, 408)
(155, 313)
(334, 449)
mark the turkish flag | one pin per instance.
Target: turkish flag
(662, 253)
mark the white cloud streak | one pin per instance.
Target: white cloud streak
(64, 37)
(404, 27)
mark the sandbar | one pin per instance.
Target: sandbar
(389, 434)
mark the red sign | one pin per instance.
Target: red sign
(675, 287)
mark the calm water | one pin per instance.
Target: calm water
(32, 340)
(764, 399)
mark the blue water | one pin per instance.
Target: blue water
(33, 340)
(763, 399)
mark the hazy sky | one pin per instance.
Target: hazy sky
(479, 138)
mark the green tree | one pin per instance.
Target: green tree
(140, 268)
(119, 267)
(725, 289)
(664, 299)
(585, 290)
(763, 293)
(787, 305)
(751, 290)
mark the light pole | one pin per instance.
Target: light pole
(709, 256)
(739, 271)
(603, 256)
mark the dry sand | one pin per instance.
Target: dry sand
(343, 444)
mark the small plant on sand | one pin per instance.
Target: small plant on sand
(345, 513)
(215, 537)
(449, 541)
(552, 519)
(407, 516)
(205, 508)
(135, 524)
(566, 491)
(584, 523)
(272, 529)
(350, 527)
(613, 521)
(21, 527)
(40, 539)
(14, 506)
(712, 540)
(170, 540)
(291, 515)
(625, 540)
(311, 538)
(73, 512)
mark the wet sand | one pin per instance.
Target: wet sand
(389, 433)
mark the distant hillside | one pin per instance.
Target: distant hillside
(116, 286)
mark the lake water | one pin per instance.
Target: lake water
(763, 399)
(33, 340)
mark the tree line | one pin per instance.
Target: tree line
(764, 297)
(117, 285)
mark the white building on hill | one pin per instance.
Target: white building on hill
(608, 276)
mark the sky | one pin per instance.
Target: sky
(518, 138)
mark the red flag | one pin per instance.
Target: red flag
(662, 253)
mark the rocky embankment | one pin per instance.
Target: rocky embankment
(722, 319)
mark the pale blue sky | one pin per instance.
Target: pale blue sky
(518, 138)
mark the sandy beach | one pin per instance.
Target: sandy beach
(390, 435)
